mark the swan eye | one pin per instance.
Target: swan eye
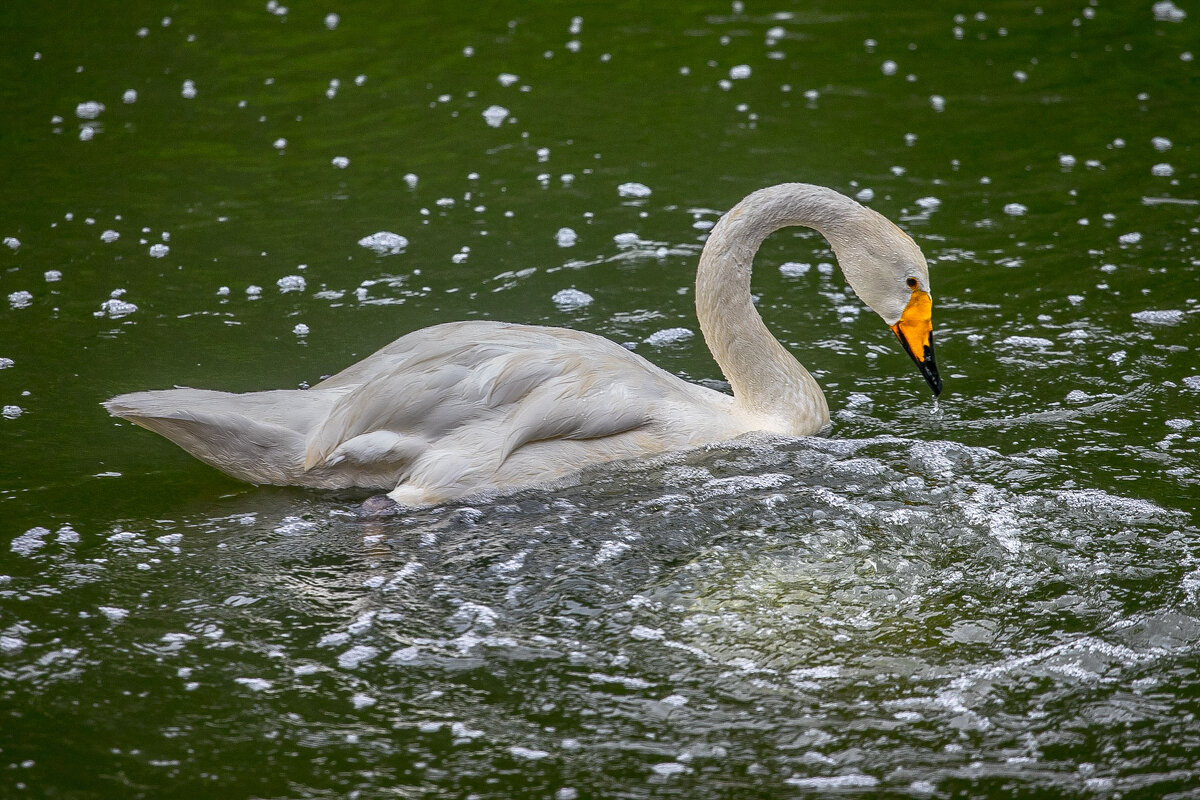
(912, 283)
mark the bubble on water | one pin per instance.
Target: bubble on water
(411, 180)
(1166, 11)
(159, 250)
(341, 162)
(1077, 396)
(280, 144)
(384, 243)
(356, 655)
(1159, 317)
(571, 299)
(89, 110)
(633, 189)
(11, 412)
(300, 329)
(253, 291)
(11, 644)
(740, 72)
(116, 308)
(20, 298)
(332, 20)
(507, 79)
(566, 237)
(1129, 238)
(794, 269)
(494, 116)
(1028, 341)
(291, 283)
(937, 102)
(130, 96)
(1014, 209)
(1066, 161)
(254, 684)
(889, 67)
(1162, 170)
(527, 753)
(189, 89)
(835, 783)
(669, 768)
(12, 242)
(109, 236)
(1179, 424)
(1192, 382)
(6, 363)
(928, 203)
(31, 540)
(86, 133)
(668, 336)
(113, 613)
(1161, 143)
(360, 700)
(1020, 75)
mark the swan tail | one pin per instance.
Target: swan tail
(256, 437)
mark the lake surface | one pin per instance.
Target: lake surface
(998, 594)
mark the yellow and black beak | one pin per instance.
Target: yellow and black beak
(915, 332)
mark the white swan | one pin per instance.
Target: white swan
(465, 407)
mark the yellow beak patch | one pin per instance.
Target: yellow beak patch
(915, 328)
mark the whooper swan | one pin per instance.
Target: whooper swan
(469, 407)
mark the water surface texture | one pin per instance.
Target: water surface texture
(996, 595)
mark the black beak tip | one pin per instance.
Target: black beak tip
(930, 371)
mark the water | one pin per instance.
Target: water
(996, 593)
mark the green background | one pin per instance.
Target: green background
(993, 595)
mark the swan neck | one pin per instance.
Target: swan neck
(768, 382)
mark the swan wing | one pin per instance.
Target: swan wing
(488, 390)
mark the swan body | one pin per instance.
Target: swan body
(467, 407)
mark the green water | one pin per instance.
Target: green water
(996, 596)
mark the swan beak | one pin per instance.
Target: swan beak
(915, 332)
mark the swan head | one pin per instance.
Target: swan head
(887, 270)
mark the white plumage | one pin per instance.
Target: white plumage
(466, 407)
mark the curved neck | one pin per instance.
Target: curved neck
(768, 382)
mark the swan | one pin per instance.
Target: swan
(463, 408)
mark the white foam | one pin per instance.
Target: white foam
(1027, 341)
(527, 753)
(12, 242)
(1166, 11)
(794, 269)
(356, 655)
(30, 541)
(633, 189)
(571, 299)
(507, 79)
(20, 299)
(159, 250)
(669, 336)
(835, 783)
(494, 116)
(89, 110)
(384, 243)
(740, 72)
(1159, 317)
(341, 162)
(109, 236)
(113, 613)
(254, 684)
(1014, 209)
(566, 237)
(291, 283)
(1162, 170)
